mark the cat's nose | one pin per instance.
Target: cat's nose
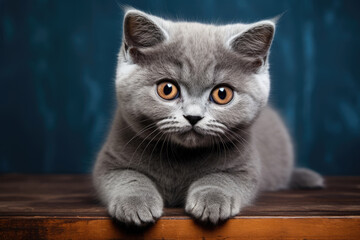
(193, 119)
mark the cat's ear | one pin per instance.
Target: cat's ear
(254, 42)
(142, 30)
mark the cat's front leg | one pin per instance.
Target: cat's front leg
(219, 196)
(130, 196)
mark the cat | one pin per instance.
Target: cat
(193, 127)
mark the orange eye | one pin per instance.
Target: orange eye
(167, 90)
(222, 95)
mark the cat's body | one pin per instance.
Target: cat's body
(193, 149)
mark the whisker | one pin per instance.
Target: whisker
(148, 145)
(167, 121)
(150, 158)
(167, 151)
(239, 136)
(165, 125)
(170, 128)
(241, 143)
(224, 147)
(161, 152)
(222, 127)
(232, 143)
(214, 131)
(148, 127)
(140, 145)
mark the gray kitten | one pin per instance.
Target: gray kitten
(192, 126)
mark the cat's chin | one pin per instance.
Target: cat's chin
(191, 139)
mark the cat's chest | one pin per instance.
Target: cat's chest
(173, 180)
(172, 175)
(174, 186)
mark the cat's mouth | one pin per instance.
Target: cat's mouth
(188, 136)
(192, 132)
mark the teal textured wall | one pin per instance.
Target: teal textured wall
(57, 68)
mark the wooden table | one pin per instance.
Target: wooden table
(64, 207)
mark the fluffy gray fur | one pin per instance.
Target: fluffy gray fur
(153, 157)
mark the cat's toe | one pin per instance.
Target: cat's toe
(136, 210)
(212, 214)
(211, 206)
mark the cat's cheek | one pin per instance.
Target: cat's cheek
(258, 86)
(242, 110)
(125, 71)
(147, 103)
(225, 114)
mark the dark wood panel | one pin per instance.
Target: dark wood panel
(242, 228)
(72, 195)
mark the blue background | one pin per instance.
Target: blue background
(57, 68)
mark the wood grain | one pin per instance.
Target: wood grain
(64, 207)
(239, 228)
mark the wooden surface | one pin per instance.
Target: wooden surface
(64, 207)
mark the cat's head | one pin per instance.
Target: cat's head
(192, 83)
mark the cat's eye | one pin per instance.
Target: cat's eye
(222, 95)
(167, 90)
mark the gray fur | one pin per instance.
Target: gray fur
(154, 158)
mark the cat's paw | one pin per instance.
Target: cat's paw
(212, 205)
(139, 210)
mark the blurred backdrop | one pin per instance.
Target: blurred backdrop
(57, 68)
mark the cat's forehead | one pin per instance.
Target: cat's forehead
(196, 55)
(201, 39)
